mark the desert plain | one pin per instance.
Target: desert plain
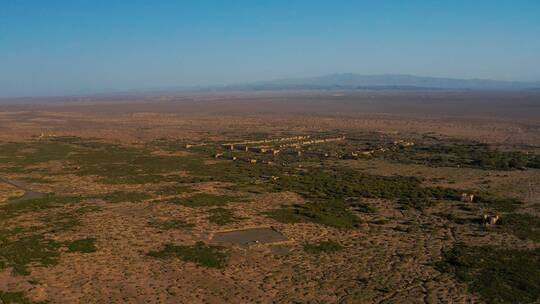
(271, 197)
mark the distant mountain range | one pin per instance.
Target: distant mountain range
(350, 81)
(343, 81)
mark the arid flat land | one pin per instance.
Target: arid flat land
(275, 197)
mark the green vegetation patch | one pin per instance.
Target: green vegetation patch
(87, 245)
(221, 216)
(199, 253)
(498, 204)
(361, 207)
(322, 247)
(205, 200)
(170, 224)
(462, 154)
(496, 275)
(24, 154)
(174, 190)
(23, 251)
(118, 164)
(330, 213)
(524, 226)
(125, 196)
(17, 297)
(37, 180)
(66, 221)
(112, 163)
(62, 222)
(33, 205)
(238, 172)
(331, 190)
(22, 247)
(460, 220)
(344, 183)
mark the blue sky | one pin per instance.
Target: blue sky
(59, 47)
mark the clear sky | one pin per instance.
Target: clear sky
(54, 47)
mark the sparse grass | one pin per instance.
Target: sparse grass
(331, 192)
(87, 245)
(221, 216)
(199, 253)
(205, 200)
(124, 196)
(170, 224)
(322, 247)
(496, 275)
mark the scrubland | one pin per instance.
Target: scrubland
(123, 202)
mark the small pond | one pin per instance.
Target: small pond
(247, 237)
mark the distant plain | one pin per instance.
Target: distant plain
(141, 196)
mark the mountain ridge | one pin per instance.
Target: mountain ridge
(396, 81)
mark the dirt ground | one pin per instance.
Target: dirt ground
(388, 258)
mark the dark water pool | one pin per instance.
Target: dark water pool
(247, 237)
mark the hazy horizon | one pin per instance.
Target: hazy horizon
(66, 47)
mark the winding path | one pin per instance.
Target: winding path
(28, 193)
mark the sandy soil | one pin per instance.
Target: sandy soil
(389, 259)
